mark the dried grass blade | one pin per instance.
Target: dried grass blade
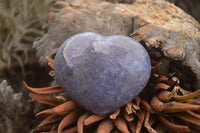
(68, 120)
(92, 119)
(128, 117)
(132, 126)
(65, 107)
(140, 114)
(159, 106)
(51, 119)
(115, 114)
(45, 99)
(71, 130)
(121, 124)
(105, 126)
(173, 127)
(147, 124)
(50, 62)
(46, 128)
(46, 90)
(165, 96)
(179, 107)
(162, 78)
(187, 97)
(128, 108)
(161, 86)
(189, 117)
(81, 121)
(146, 105)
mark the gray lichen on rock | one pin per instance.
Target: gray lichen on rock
(11, 108)
(9, 99)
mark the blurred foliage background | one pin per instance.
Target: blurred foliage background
(21, 21)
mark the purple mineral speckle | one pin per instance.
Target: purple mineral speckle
(102, 73)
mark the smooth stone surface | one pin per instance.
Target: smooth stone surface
(102, 73)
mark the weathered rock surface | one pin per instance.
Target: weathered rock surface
(173, 34)
(190, 6)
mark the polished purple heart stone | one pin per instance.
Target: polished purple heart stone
(102, 73)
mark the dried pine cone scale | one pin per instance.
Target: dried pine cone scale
(166, 104)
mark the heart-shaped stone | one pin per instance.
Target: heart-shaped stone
(102, 73)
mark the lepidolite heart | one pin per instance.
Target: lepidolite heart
(102, 73)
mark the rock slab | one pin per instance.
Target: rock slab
(155, 23)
